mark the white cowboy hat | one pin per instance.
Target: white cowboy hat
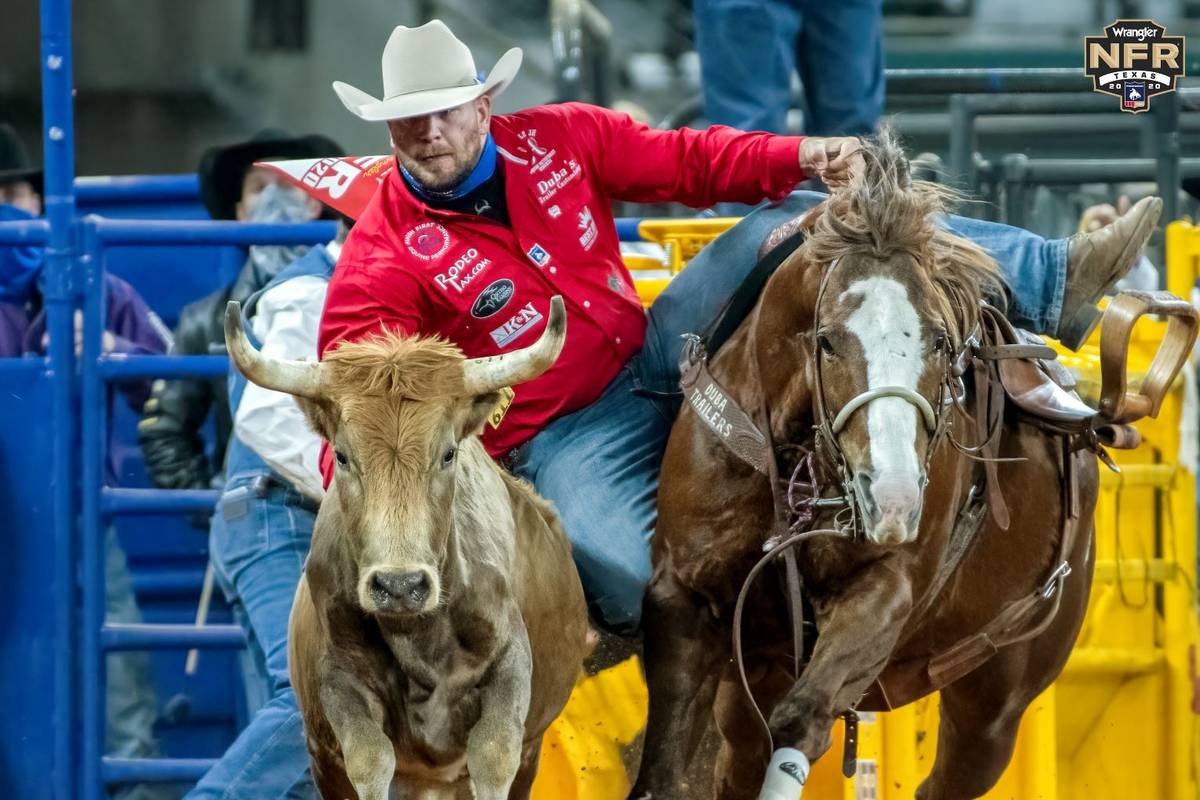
(426, 69)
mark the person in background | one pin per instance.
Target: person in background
(750, 49)
(232, 189)
(262, 528)
(130, 328)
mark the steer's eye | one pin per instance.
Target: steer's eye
(448, 456)
(341, 457)
(824, 343)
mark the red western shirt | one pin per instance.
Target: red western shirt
(487, 287)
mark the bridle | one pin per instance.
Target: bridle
(828, 427)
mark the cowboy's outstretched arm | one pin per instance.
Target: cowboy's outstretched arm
(631, 161)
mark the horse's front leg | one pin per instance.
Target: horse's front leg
(854, 645)
(683, 653)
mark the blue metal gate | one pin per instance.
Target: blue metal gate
(54, 734)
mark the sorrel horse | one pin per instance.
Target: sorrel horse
(858, 367)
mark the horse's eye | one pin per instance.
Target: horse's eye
(941, 343)
(448, 457)
(824, 343)
(341, 457)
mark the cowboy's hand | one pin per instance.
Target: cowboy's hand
(834, 159)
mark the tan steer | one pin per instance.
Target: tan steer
(440, 624)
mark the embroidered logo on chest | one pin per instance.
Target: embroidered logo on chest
(517, 325)
(464, 270)
(493, 298)
(427, 241)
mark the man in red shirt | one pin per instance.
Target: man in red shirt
(489, 217)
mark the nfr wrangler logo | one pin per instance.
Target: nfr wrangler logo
(1134, 60)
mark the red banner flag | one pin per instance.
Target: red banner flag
(344, 184)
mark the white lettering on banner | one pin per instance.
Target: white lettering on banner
(710, 404)
(517, 324)
(458, 277)
(334, 175)
(557, 179)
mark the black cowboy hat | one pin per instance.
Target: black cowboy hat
(15, 163)
(223, 169)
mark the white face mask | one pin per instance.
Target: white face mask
(276, 204)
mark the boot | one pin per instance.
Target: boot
(1097, 260)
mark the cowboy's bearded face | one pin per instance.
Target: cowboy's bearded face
(441, 149)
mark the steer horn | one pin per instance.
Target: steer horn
(483, 375)
(299, 378)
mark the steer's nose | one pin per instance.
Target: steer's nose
(408, 590)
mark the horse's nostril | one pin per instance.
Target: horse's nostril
(409, 589)
(866, 499)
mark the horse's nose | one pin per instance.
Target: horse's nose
(408, 590)
(890, 507)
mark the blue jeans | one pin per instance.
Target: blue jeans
(258, 543)
(749, 50)
(599, 465)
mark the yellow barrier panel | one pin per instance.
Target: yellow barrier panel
(581, 752)
(1119, 722)
(683, 238)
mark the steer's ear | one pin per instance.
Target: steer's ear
(322, 416)
(484, 408)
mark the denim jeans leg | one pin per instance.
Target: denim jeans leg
(599, 467)
(840, 61)
(747, 56)
(1034, 268)
(259, 545)
(132, 703)
(695, 297)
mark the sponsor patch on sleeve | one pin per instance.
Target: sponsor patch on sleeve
(538, 255)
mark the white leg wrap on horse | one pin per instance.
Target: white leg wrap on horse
(785, 776)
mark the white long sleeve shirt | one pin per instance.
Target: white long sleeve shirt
(271, 423)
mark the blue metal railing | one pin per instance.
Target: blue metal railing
(61, 298)
(100, 502)
(131, 189)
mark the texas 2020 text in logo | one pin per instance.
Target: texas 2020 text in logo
(1134, 60)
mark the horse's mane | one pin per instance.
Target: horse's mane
(887, 211)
